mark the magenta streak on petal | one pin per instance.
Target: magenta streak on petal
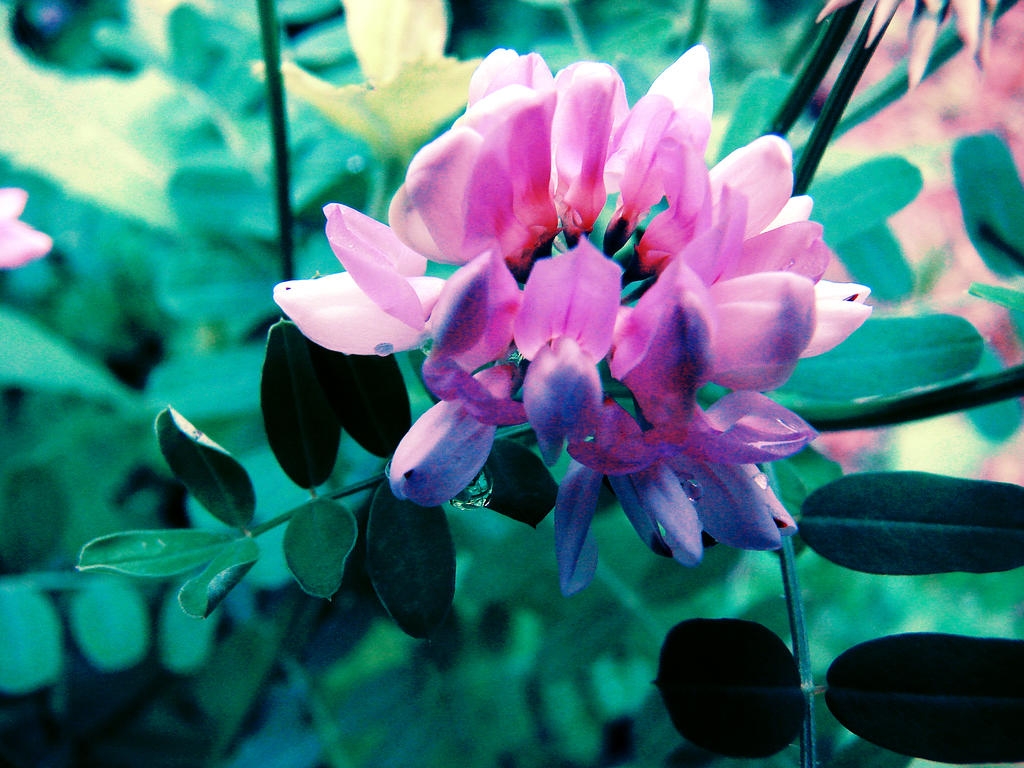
(575, 549)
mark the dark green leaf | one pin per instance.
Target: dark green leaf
(874, 257)
(864, 196)
(301, 426)
(888, 355)
(201, 594)
(151, 553)
(368, 395)
(185, 642)
(521, 486)
(762, 93)
(110, 623)
(411, 561)
(319, 538)
(991, 198)
(31, 650)
(730, 686)
(209, 472)
(916, 523)
(1010, 298)
(941, 697)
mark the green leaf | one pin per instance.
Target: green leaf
(875, 258)
(521, 486)
(730, 686)
(184, 641)
(200, 595)
(110, 623)
(411, 561)
(35, 359)
(388, 35)
(222, 200)
(151, 553)
(998, 421)
(368, 396)
(863, 197)
(31, 652)
(1011, 298)
(319, 538)
(801, 474)
(888, 355)
(762, 93)
(991, 198)
(209, 472)
(941, 697)
(916, 523)
(300, 424)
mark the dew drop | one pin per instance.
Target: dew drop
(475, 495)
(692, 490)
(762, 480)
(384, 349)
(789, 265)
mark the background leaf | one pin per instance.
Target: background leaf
(916, 523)
(110, 622)
(151, 553)
(184, 642)
(411, 561)
(319, 538)
(209, 472)
(200, 595)
(762, 93)
(1011, 298)
(874, 258)
(31, 647)
(941, 697)
(521, 486)
(730, 686)
(300, 424)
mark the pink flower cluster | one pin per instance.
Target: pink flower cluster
(724, 286)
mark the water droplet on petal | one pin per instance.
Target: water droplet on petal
(692, 490)
(789, 265)
(475, 495)
(383, 349)
(762, 480)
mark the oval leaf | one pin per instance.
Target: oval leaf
(941, 697)
(185, 642)
(151, 553)
(411, 561)
(301, 426)
(110, 623)
(521, 486)
(209, 472)
(731, 686)
(319, 538)
(30, 644)
(368, 396)
(201, 594)
(888, 355)
(916, 523)
(874, 257)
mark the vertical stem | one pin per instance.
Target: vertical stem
(270, 34)
(836, 103)
(698, 20)
(579, 38)
(798, 630)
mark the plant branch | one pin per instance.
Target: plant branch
(798, 632)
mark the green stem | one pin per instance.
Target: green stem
(348, 490)
(698, 20)
(814, 70)
(836, 103)
(935, 401)
(797, 51)
(798, 631)
(270, 35)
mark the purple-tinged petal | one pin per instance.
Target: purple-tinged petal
(839, 311)
(656, 504)
(619, 447)
(735, 504)
(762, 171)
(574, 294)
(378, 261)
(765, 321)
(440, 455)
(335, 313)
(503, 67)
(797, 247)
(485, 395)
(687, 83)
(575, 548)
(746, 427)
(562, 396)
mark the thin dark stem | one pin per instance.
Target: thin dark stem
(348, 490)
(936, 401)
(698, 20)
(837, 27)
(270, 34)
(798, 631)
(836, 103)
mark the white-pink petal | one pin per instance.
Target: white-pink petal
(762, 171)
(840, 310)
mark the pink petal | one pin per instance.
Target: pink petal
(504, 66)
(687, 82)
(796, 209)
(12, 202)
(747, 427)
(797, 247)
(764, 323)
(562, 396)
(574, 294)
(378, 261)
(440, 455)
(335, 313)
(20, 244)
(839, 310)
(575, 548)
(762, 171)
